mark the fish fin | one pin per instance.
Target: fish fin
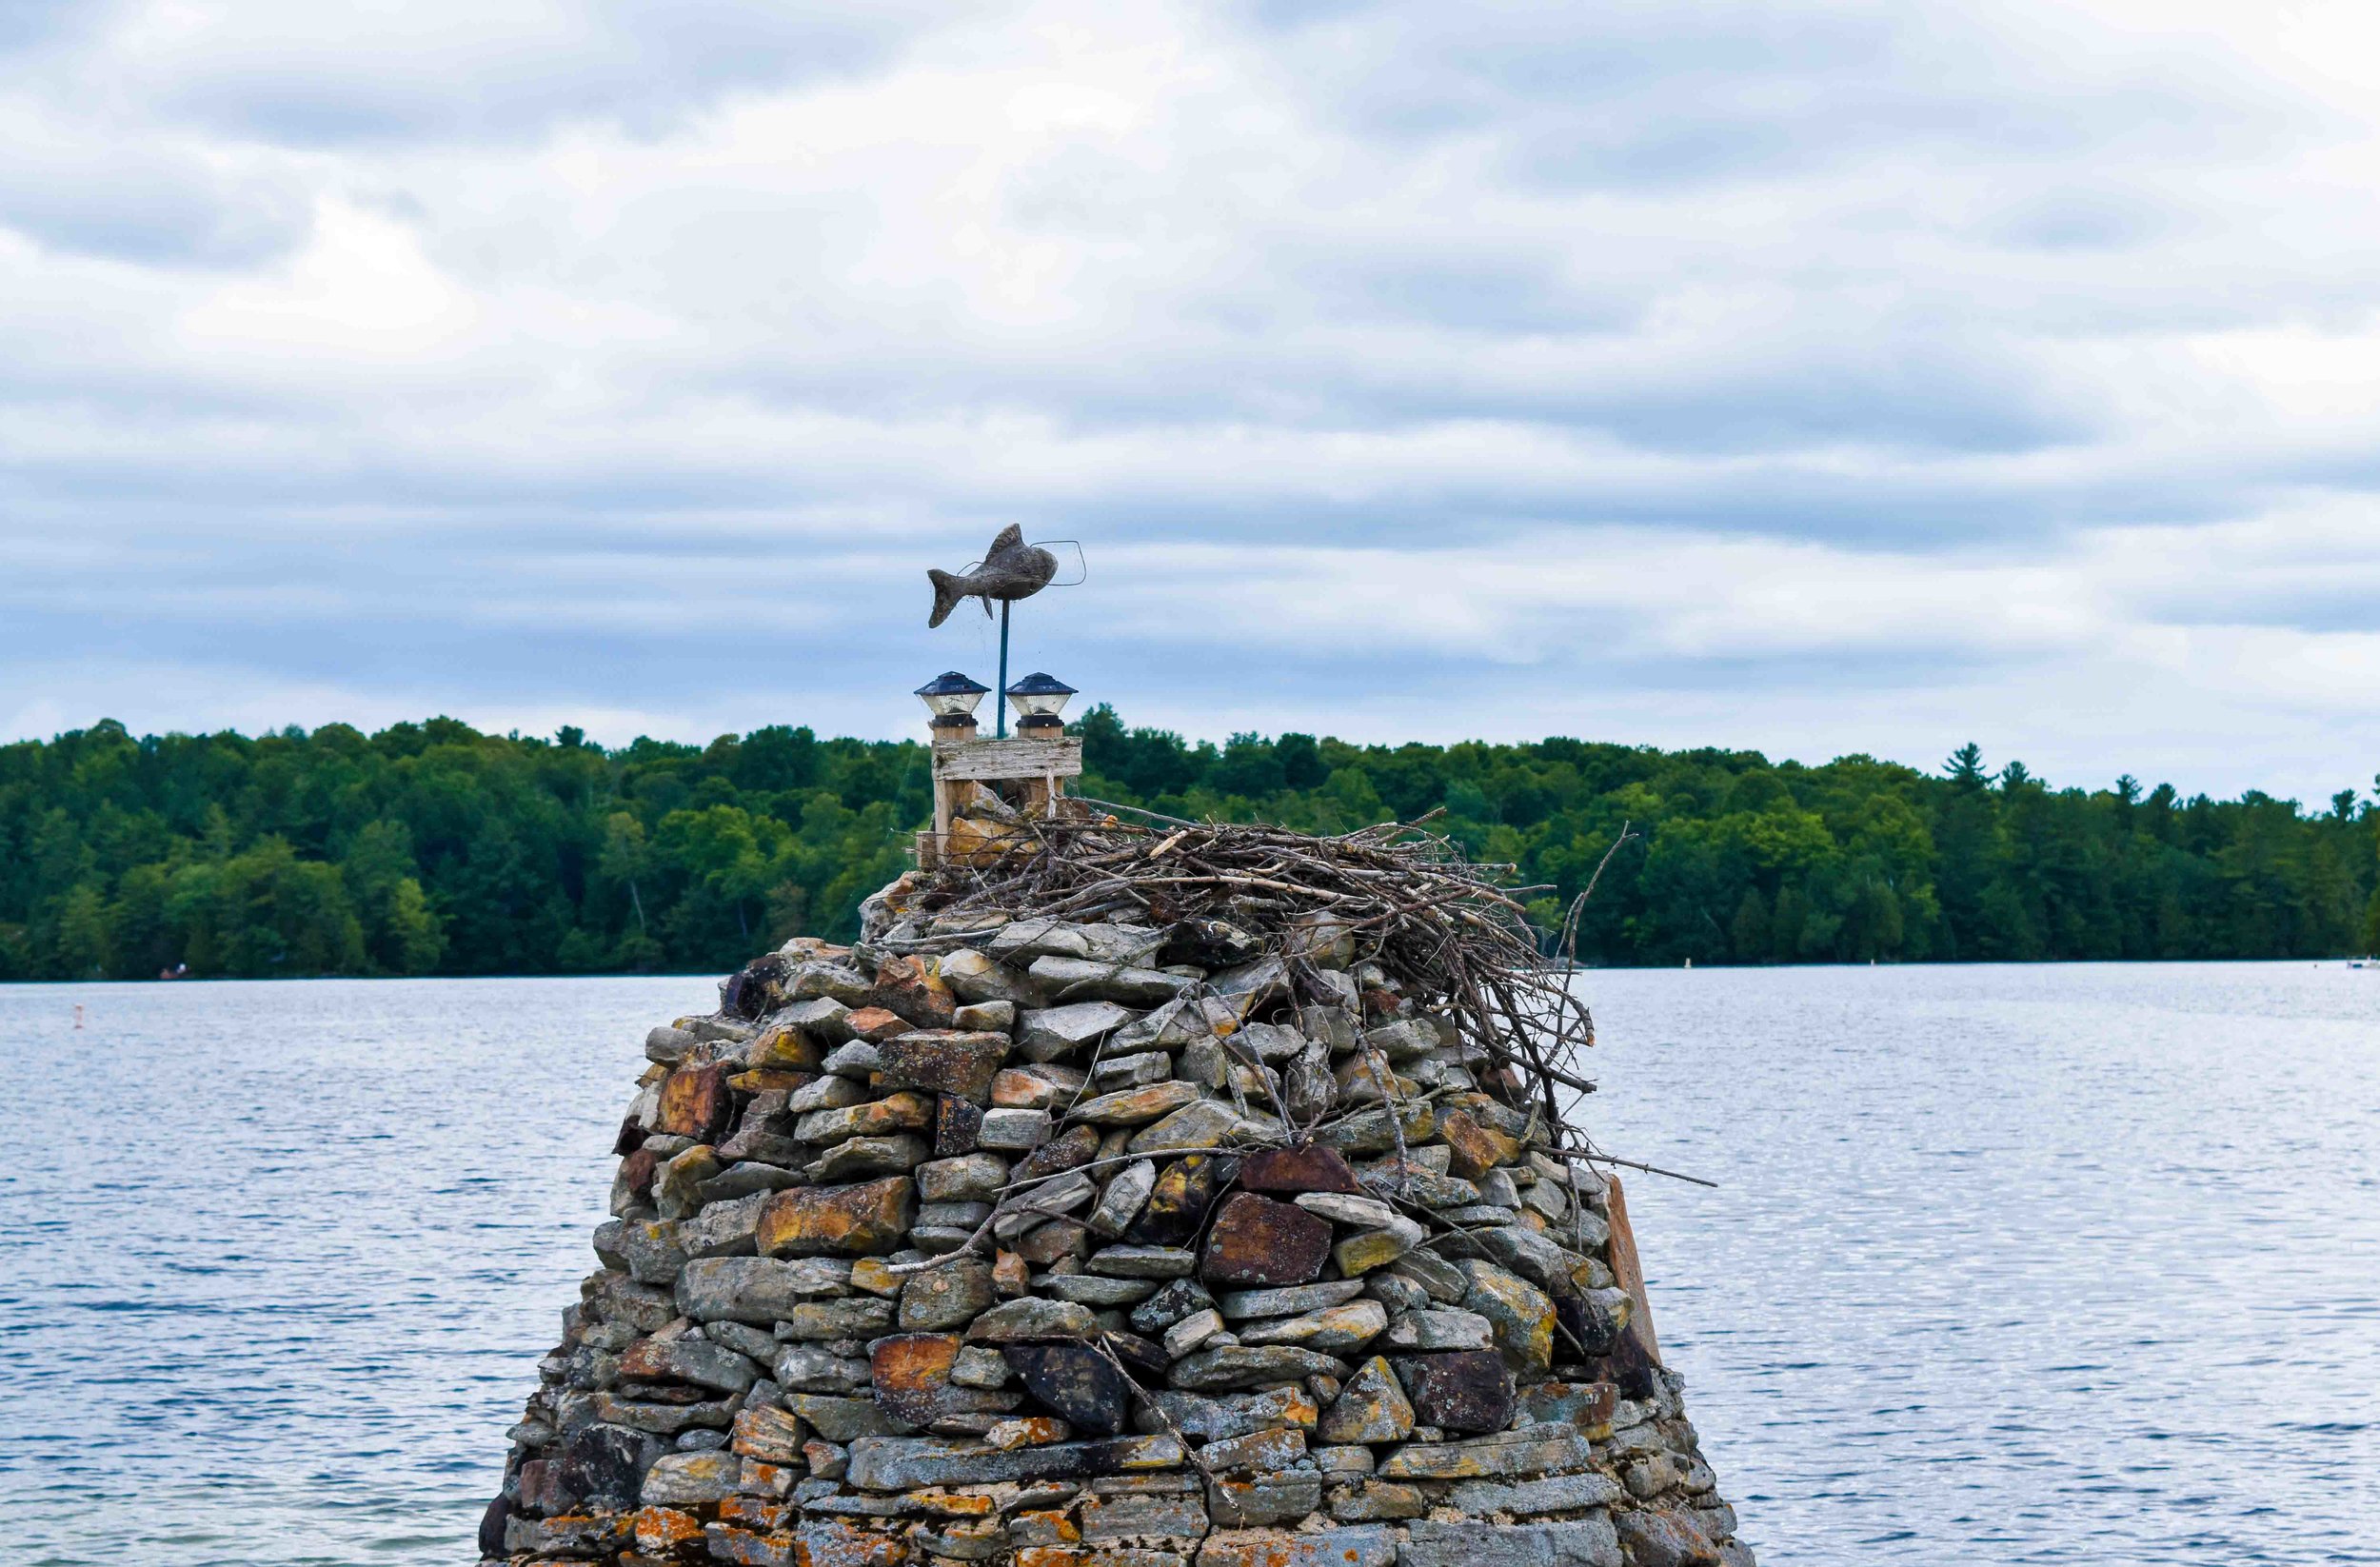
(948, 590)
(1011, 537)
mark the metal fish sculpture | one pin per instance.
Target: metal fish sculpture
(1012, 569)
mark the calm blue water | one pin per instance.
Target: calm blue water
(2075, 1265)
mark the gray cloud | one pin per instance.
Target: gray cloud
(1820, 377)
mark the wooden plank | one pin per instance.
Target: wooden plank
(992, 759)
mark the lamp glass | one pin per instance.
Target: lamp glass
(1039, 696)
(951, 695)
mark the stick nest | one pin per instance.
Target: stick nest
(1446, 926)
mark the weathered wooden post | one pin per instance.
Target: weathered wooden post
(1026, 773)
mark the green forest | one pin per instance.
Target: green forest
(432, 848)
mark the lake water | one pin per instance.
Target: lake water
(2022, 1264)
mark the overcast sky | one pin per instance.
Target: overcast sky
(1815, 376)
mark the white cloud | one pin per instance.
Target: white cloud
(1845, 376)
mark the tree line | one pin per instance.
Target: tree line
(432, 848)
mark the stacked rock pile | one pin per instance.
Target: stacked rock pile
(1001, 1239)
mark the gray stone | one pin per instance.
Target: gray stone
(858, 1059)
(1214, 1370)
(1259, 1452)
(1406, 1040)
(1209, 1124)
(1060, 1031)
(1651, 1476)
(1263, 1499)
(1085, 979)
(669, 1046)
(894, 1463)
(1292, 1300)
(1206, 1062)
(970, 1178)
(1370, 1546)
(1371, 1131)
(842, 1419)
(1528, 1451)
(1662, 1537)
(975, 976)
(1374, 1501)
(1118, 1072)
(1442, 1328)
(1335, 1330)
(1016, 1321)
(864, 1157)
(980, 1367)
(1251, 986)
(1269, 1041)
(691, 1360)
(1442, 1280)
(906, 1111)
(1527, 1499)
(1402, 1297)
(1368, 1213)
(757, 1289)
(1588, 1542)
(1530, 1255)
(1370, 1408)
(1025, 940)
(823, 1017)
(945, 1296)
(1136, 1106)
(691, 1480)
(964, 1216)
(1175, 1024)
(649, 1251)
(750, 1176)
(851, 1318)
(745, 1339)
(845, 984)
(1334, 1026)
(1016, 1130)
(1127, 1193)
(662, 1420)
(1090, 1289)
(826, 1093)
(1169, 1305)
(723, 1229)
(809, 1368)
(1191, 1332)
(985, 1017)
(1219, 1418)
(1106, 1519)
(1143, 1261)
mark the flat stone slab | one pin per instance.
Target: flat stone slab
(1589, 1542)
(1554, 1494)
(908, 1463)
(1519, 1452)
(1367, 1547)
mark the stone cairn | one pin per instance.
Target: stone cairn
(1125, 1198)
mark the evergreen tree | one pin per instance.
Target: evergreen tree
(428, 847)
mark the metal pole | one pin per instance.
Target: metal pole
(1000, 697)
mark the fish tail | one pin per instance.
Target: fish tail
(948, 590)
